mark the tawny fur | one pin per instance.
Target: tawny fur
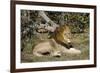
(52, 47)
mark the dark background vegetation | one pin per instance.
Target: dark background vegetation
(32, 21)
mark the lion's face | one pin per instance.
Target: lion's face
(66, 34)
(63, 34)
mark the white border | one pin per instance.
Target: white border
(20, 65)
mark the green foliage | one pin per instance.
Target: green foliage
(78, 21)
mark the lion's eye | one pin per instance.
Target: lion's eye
(68, 35)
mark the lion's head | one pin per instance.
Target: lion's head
(59, 44)
(63, 34)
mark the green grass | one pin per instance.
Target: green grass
(80, 41)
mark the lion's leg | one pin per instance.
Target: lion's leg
(56, 54)
(37, 54)
(74, 51)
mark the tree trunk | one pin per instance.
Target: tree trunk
(52, 25)
(62, 18)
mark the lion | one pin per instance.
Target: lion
(58, 44)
